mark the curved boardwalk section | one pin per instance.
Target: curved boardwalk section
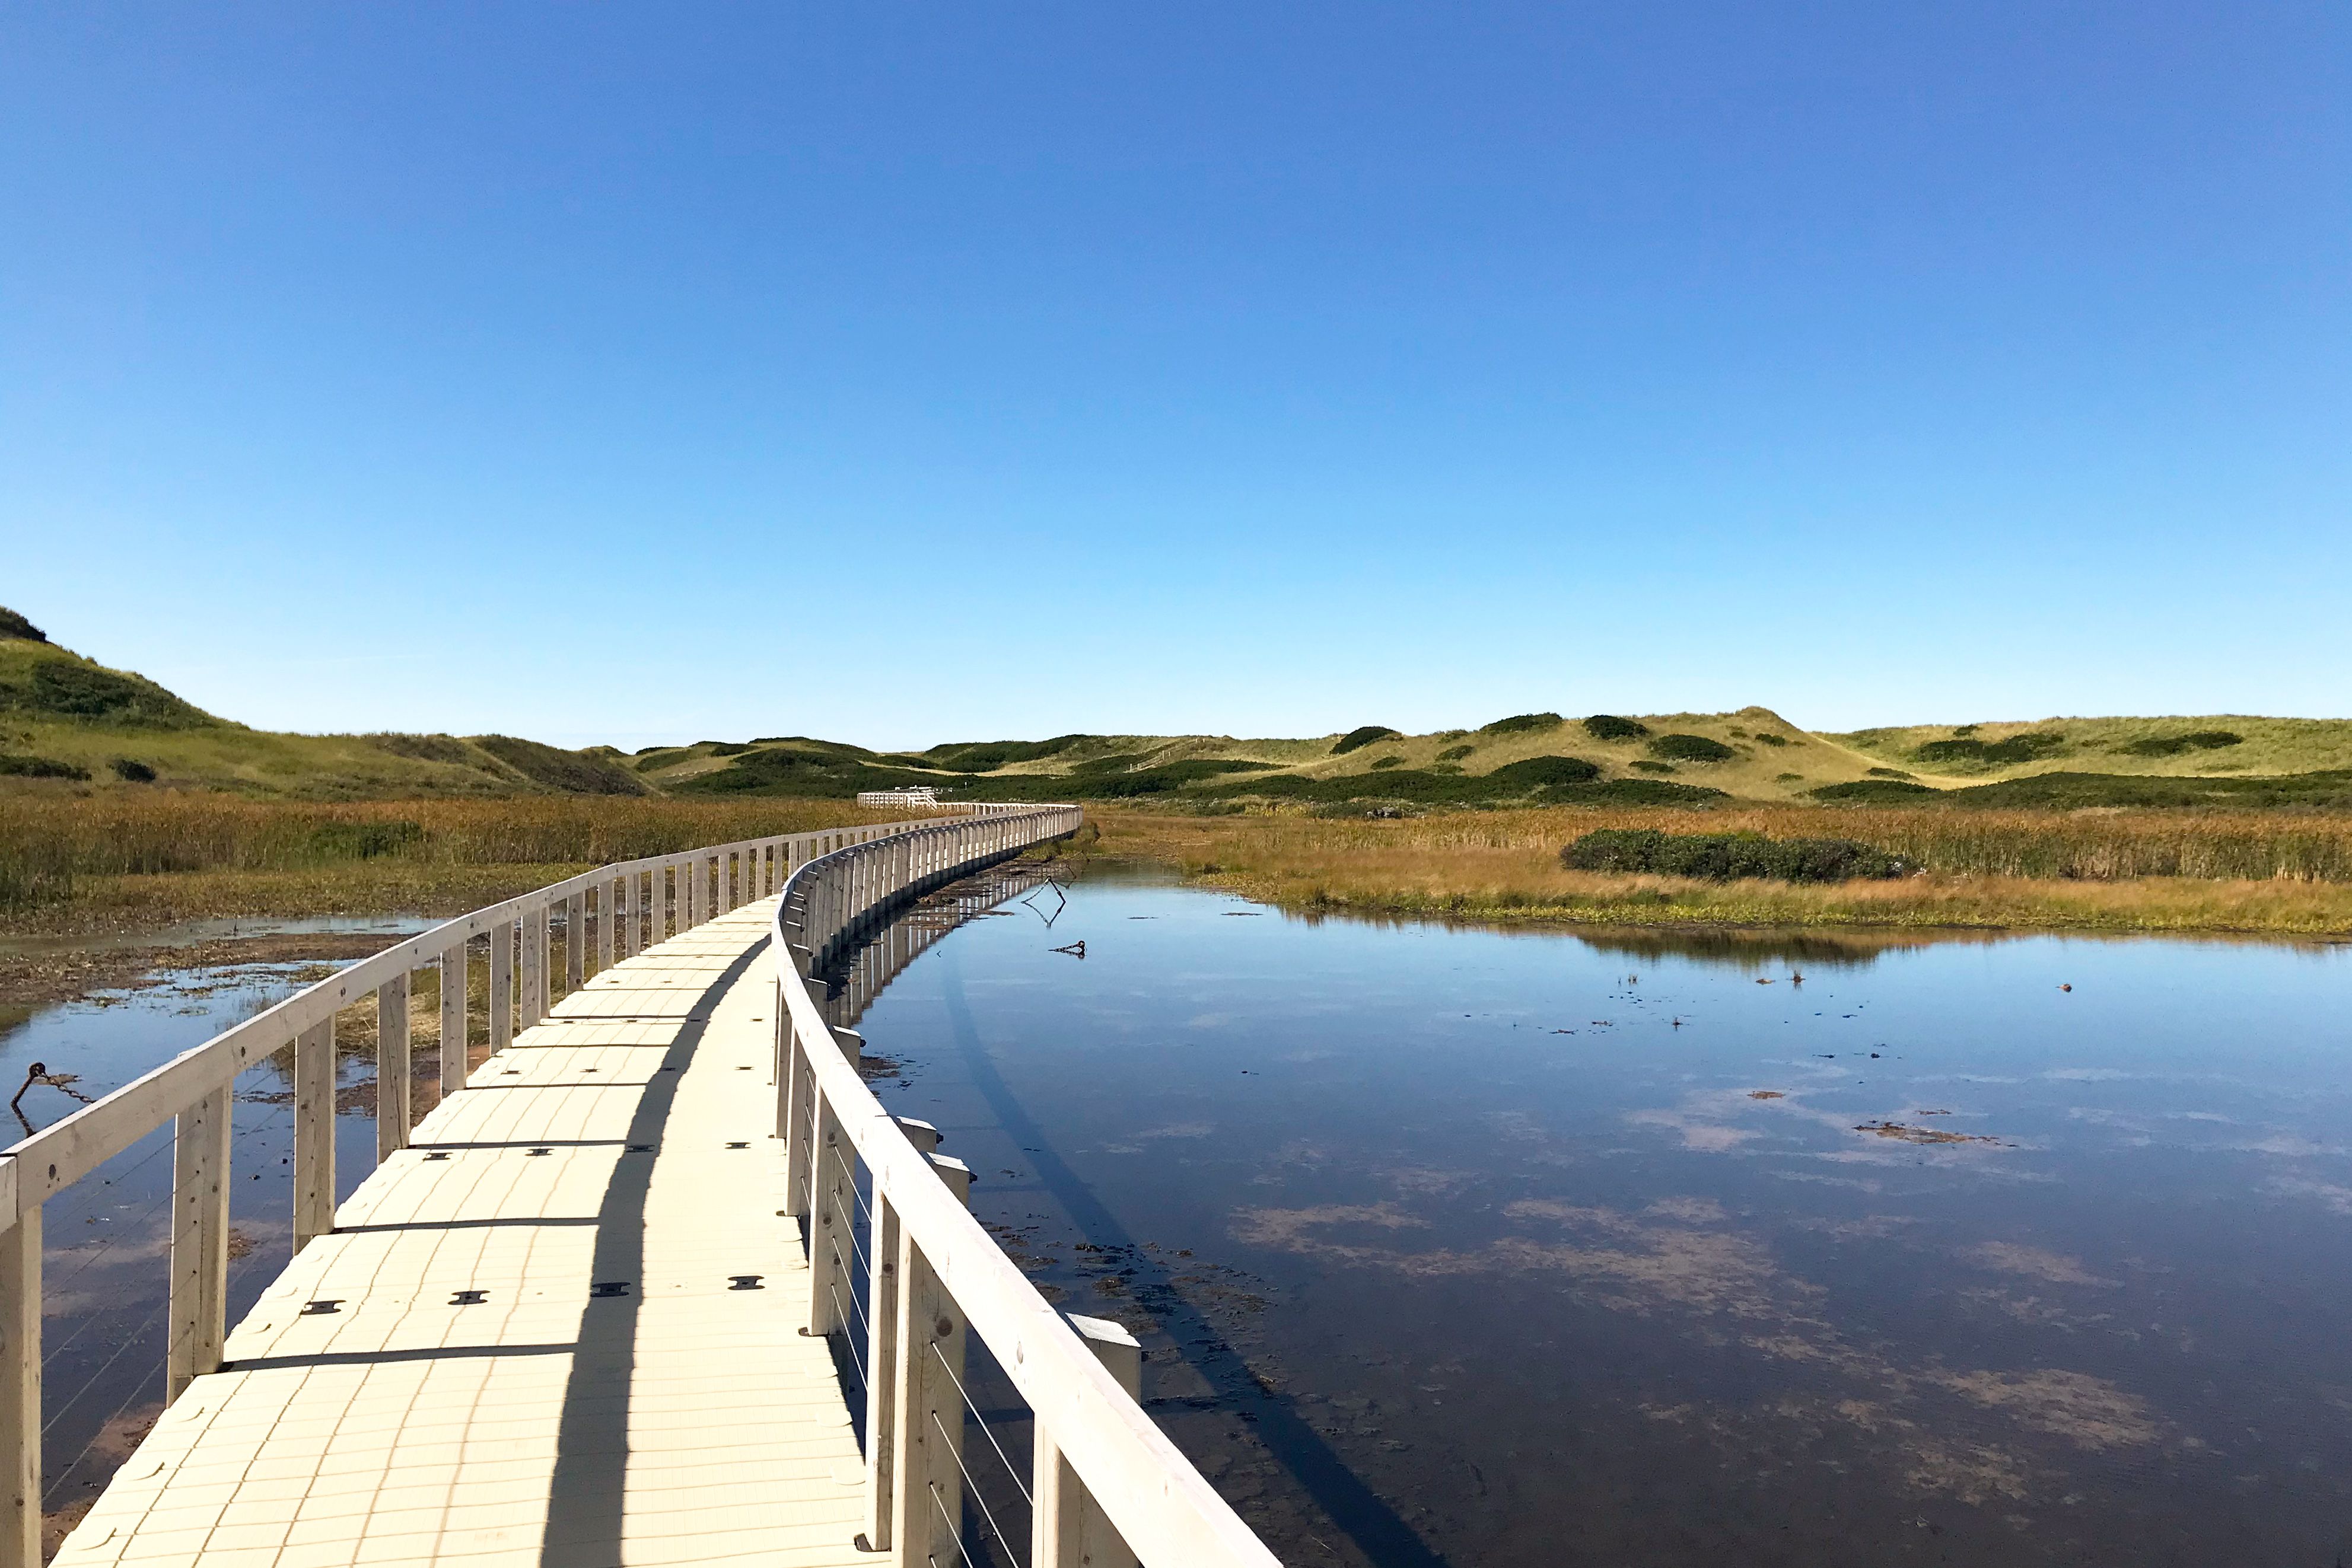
(560, 1327)
(587, 1311)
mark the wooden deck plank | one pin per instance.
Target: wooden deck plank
(685, 1420)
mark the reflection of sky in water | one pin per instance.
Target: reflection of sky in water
(1573, 1250)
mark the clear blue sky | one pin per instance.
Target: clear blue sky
(901, 374)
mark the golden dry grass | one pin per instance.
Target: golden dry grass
(2148, 871)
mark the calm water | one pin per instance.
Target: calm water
(1471, 1247)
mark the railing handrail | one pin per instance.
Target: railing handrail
(1160, 1504)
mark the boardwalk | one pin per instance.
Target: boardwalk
(590, 1310)
(560, 1328)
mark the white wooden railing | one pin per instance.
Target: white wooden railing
(630, 905)
(1105, 1486)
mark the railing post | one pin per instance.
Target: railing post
(502, 956)
(608, 891)
(832, 1193)
(927, 1497)
(575, 942)
(314, 1132)
(1068, 1528)
(544, 927)
(829, 1273)
(20, 1387)
(800, 1087)
(882, 1307)
(534, 967)
(453, 1057)
(693, 914)
(199, 1289)
(392, 1078)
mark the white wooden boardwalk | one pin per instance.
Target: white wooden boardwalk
(564, 1327)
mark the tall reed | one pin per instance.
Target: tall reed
(46, 844)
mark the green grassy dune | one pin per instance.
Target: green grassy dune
(69, 725)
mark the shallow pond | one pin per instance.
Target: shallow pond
(1476, 1246)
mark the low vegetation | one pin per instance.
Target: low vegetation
(1971, 752)
(1356, 739)
(1691, 749)
(1522, 724)
(1725, 857)
(2145, 871)
(59, 851)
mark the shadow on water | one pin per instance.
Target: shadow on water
(1351, 1505)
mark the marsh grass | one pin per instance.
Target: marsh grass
(2118, 871)
(182, 854)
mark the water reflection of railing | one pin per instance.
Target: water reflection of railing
(1102, 1485)
(854, 982)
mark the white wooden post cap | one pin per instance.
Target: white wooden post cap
(955, 1173)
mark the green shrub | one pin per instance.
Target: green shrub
(40, 767)
(1870, 792)
(1889, 773)
(660, 758)
(2174, 745)
(2027, 746)
(15, 625)
(1691, 749)
(1356, 739)
(1773, 739)
(1721, 857)
(1609, 726)
(131, 771)
(64, 687)
(1455, 753)
(1543, 771)
(1547, 778)
(1381, 762)
(1639, 792)
(2329, 791)
(1520, 724)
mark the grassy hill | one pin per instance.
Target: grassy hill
(69, 725)
(2215, 746)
